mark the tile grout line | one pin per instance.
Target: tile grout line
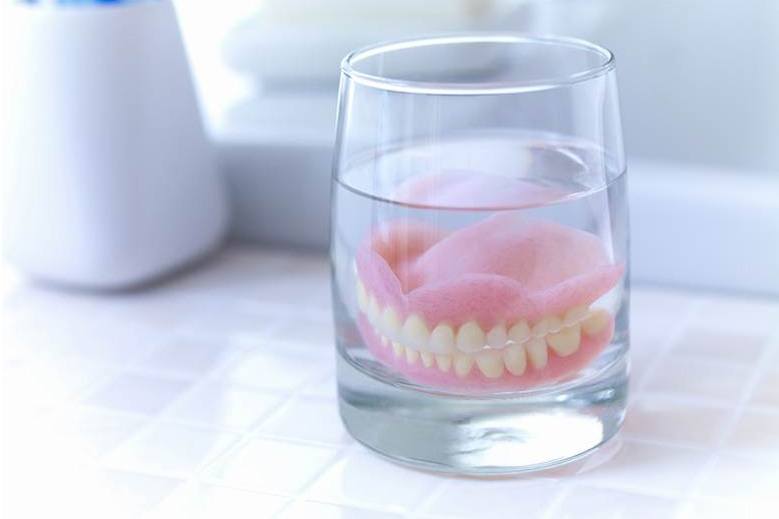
(553, 509)
(303, 493)
(252, 432)
(243, 436)
(255, 431)
(437, 492)
(279, 318)
(717, 449)
(668, 343)
(202, 380)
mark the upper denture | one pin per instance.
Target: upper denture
(503, 303)
(495, 273)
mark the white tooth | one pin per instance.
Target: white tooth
(415, 332)
(516, 359)
(362, 296)
(398, 349)
(566, 341)
(554, 324)
(595, 322)
(520, 332)
(497, 337)
(539, 329)
(374, 311)
(462, 365)
(575, 314)
(546, 325)
(536, 350)
(384, 341)
(442, 339)
(444, 362)
(491, 364)
(390, 322)
(412, 356)
(427, 358)
(470, 337)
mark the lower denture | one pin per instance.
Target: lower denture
(504, 303)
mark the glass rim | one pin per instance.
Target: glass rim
(348, 65)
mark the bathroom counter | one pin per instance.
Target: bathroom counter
(213, 395)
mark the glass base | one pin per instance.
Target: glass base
(488, 435)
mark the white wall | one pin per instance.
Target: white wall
(699, 79)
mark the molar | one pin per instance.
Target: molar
(548, 324)
(575, 314)
(566, 341)
(595, 322)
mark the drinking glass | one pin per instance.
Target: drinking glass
(480, 251)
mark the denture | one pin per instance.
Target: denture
(504, 303)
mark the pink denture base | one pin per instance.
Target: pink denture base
(493, 272)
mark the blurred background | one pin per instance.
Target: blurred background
(698, 82)
(698, 78)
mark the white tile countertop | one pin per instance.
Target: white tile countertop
(213, 395)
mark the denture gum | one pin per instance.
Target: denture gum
(505, 303)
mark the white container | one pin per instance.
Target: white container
(110, 180)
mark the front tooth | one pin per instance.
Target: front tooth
(412, 356)
(462, 365)
(536, 350)
(575, 314)
(470, 337)
(390, 321)
(546, 325)
(566, 341)
(444, 362)
(398, 349)
(497, 337)
(491, 364)
(520, 332)
(362, 297)
(415, 331)
(442, 339)
(516, 359)
(595, 322)
(427, 358)
(384, 341)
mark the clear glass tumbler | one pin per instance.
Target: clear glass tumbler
(480, 251)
